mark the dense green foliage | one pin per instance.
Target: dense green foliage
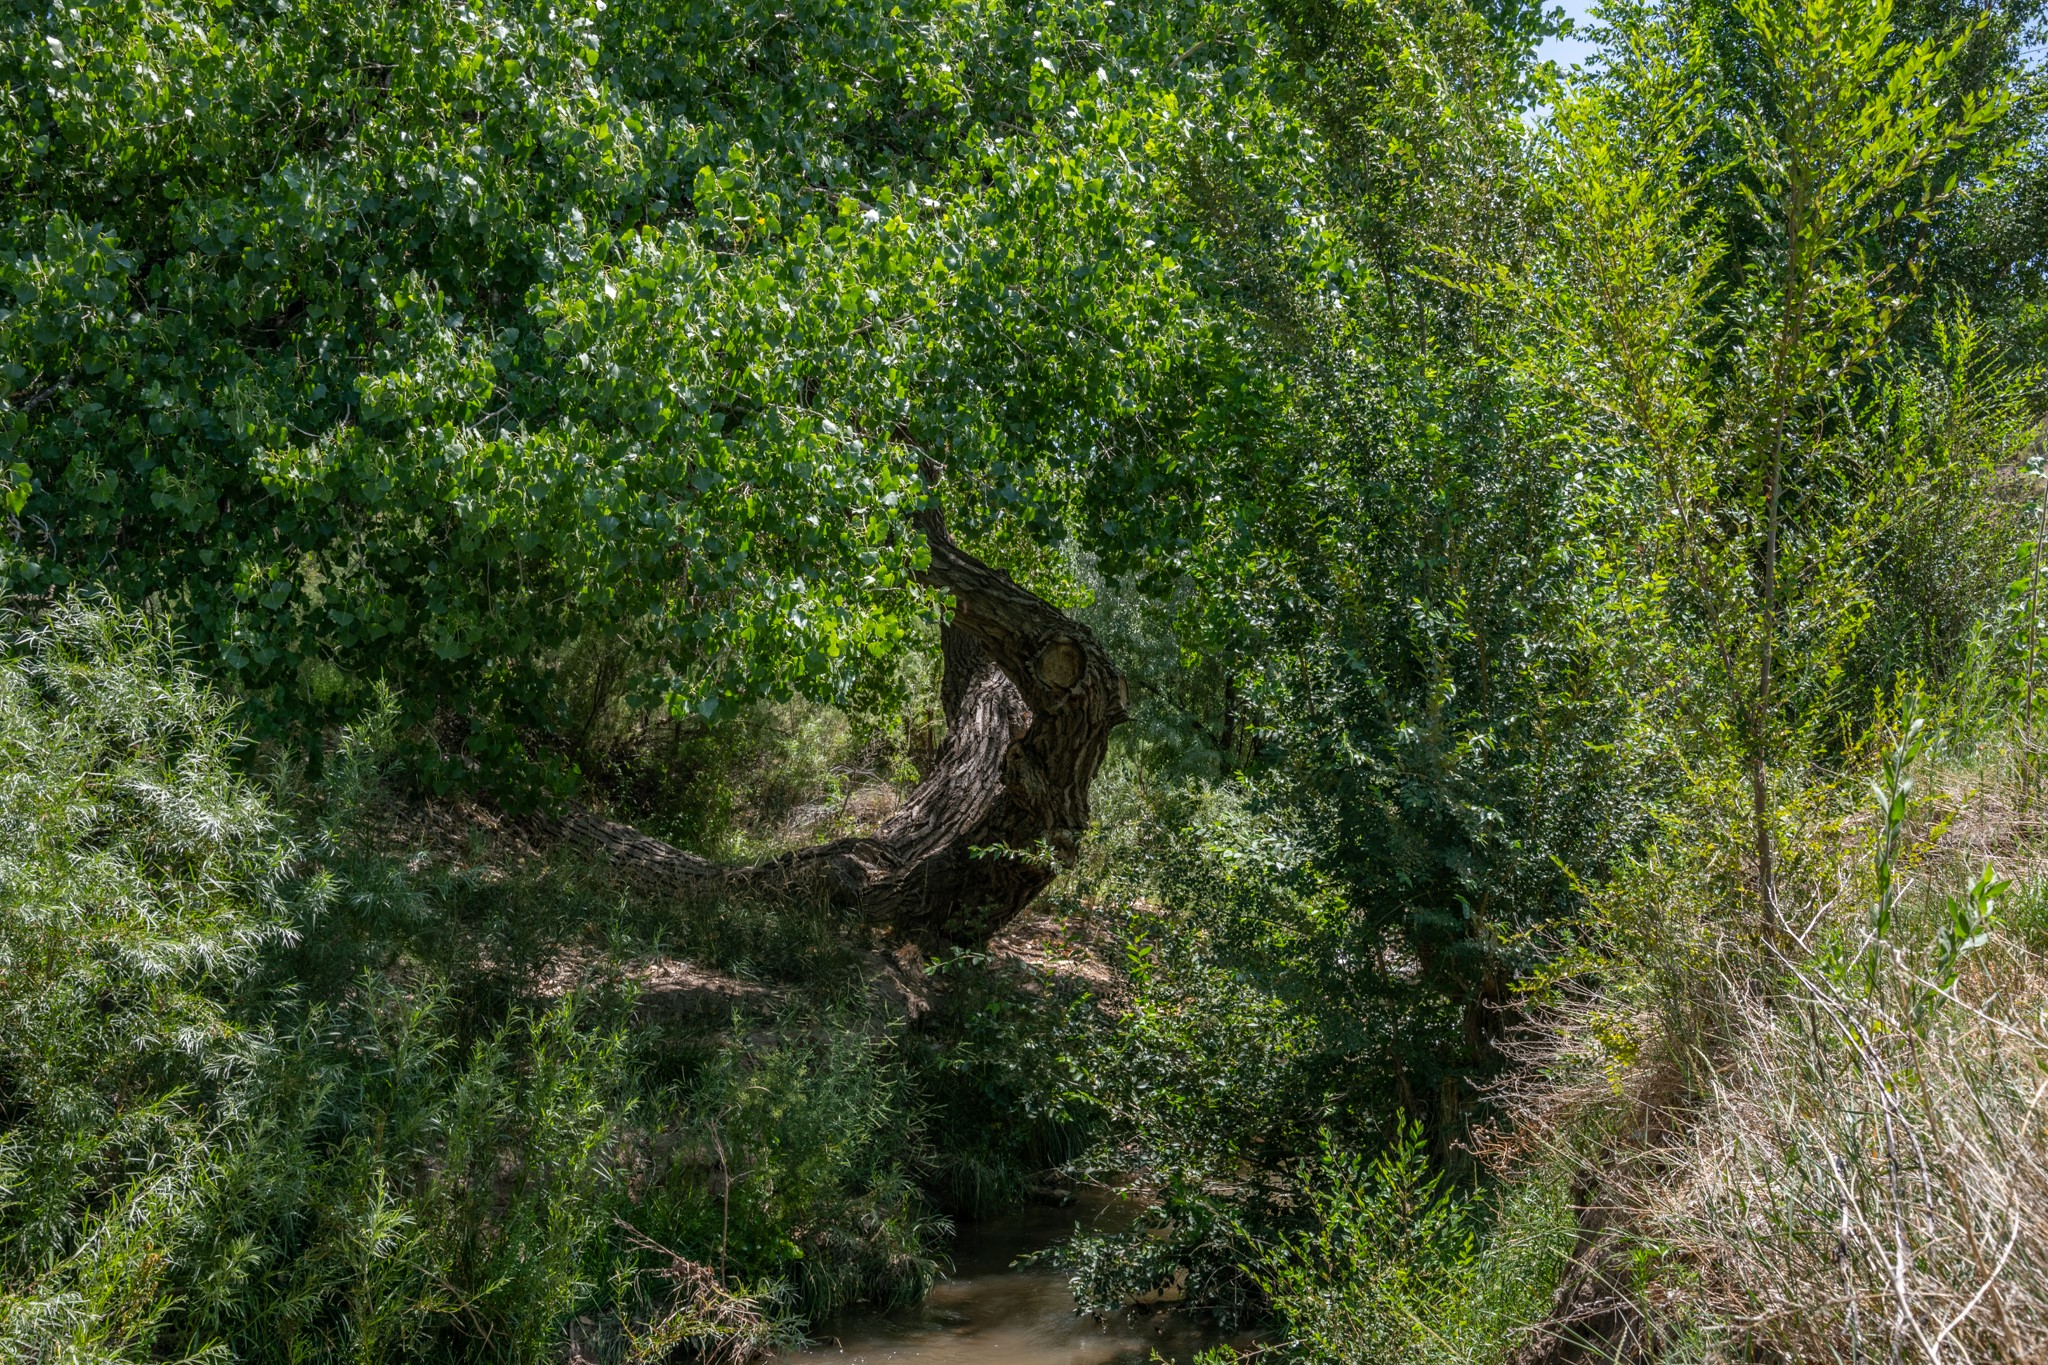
(1613, 478)
(182, 1167)
(1521, 503)
(437, 343)
(289, 1096)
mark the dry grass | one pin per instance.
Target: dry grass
(1858, 1190)
(1783, 1155)
(700, 1318)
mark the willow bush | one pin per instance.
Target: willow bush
(188, 1170)
(268, 1093)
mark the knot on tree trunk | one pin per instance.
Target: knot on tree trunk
(1029, 699)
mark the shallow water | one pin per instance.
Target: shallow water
(990, 1314)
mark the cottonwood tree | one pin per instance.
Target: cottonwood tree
(458, 345)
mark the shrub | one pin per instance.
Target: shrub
(191, 1163)
(270, 1092)
(140, 877)
(1400, 1266)
(1260, 1016)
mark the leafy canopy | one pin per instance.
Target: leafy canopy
(422, 341)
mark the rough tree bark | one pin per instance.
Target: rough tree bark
(1029, 700)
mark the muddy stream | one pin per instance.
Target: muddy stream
(991, 1314)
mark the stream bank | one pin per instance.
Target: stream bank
(989, 1312)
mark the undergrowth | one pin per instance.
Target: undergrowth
(1831, 1146)
(273, 1089)
(1710, 1142)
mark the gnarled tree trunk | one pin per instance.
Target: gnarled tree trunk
(1029, 698)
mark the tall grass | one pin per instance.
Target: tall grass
(1835, 1148)
(1872, 1159)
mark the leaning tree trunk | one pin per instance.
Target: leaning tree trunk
(1029, 698)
